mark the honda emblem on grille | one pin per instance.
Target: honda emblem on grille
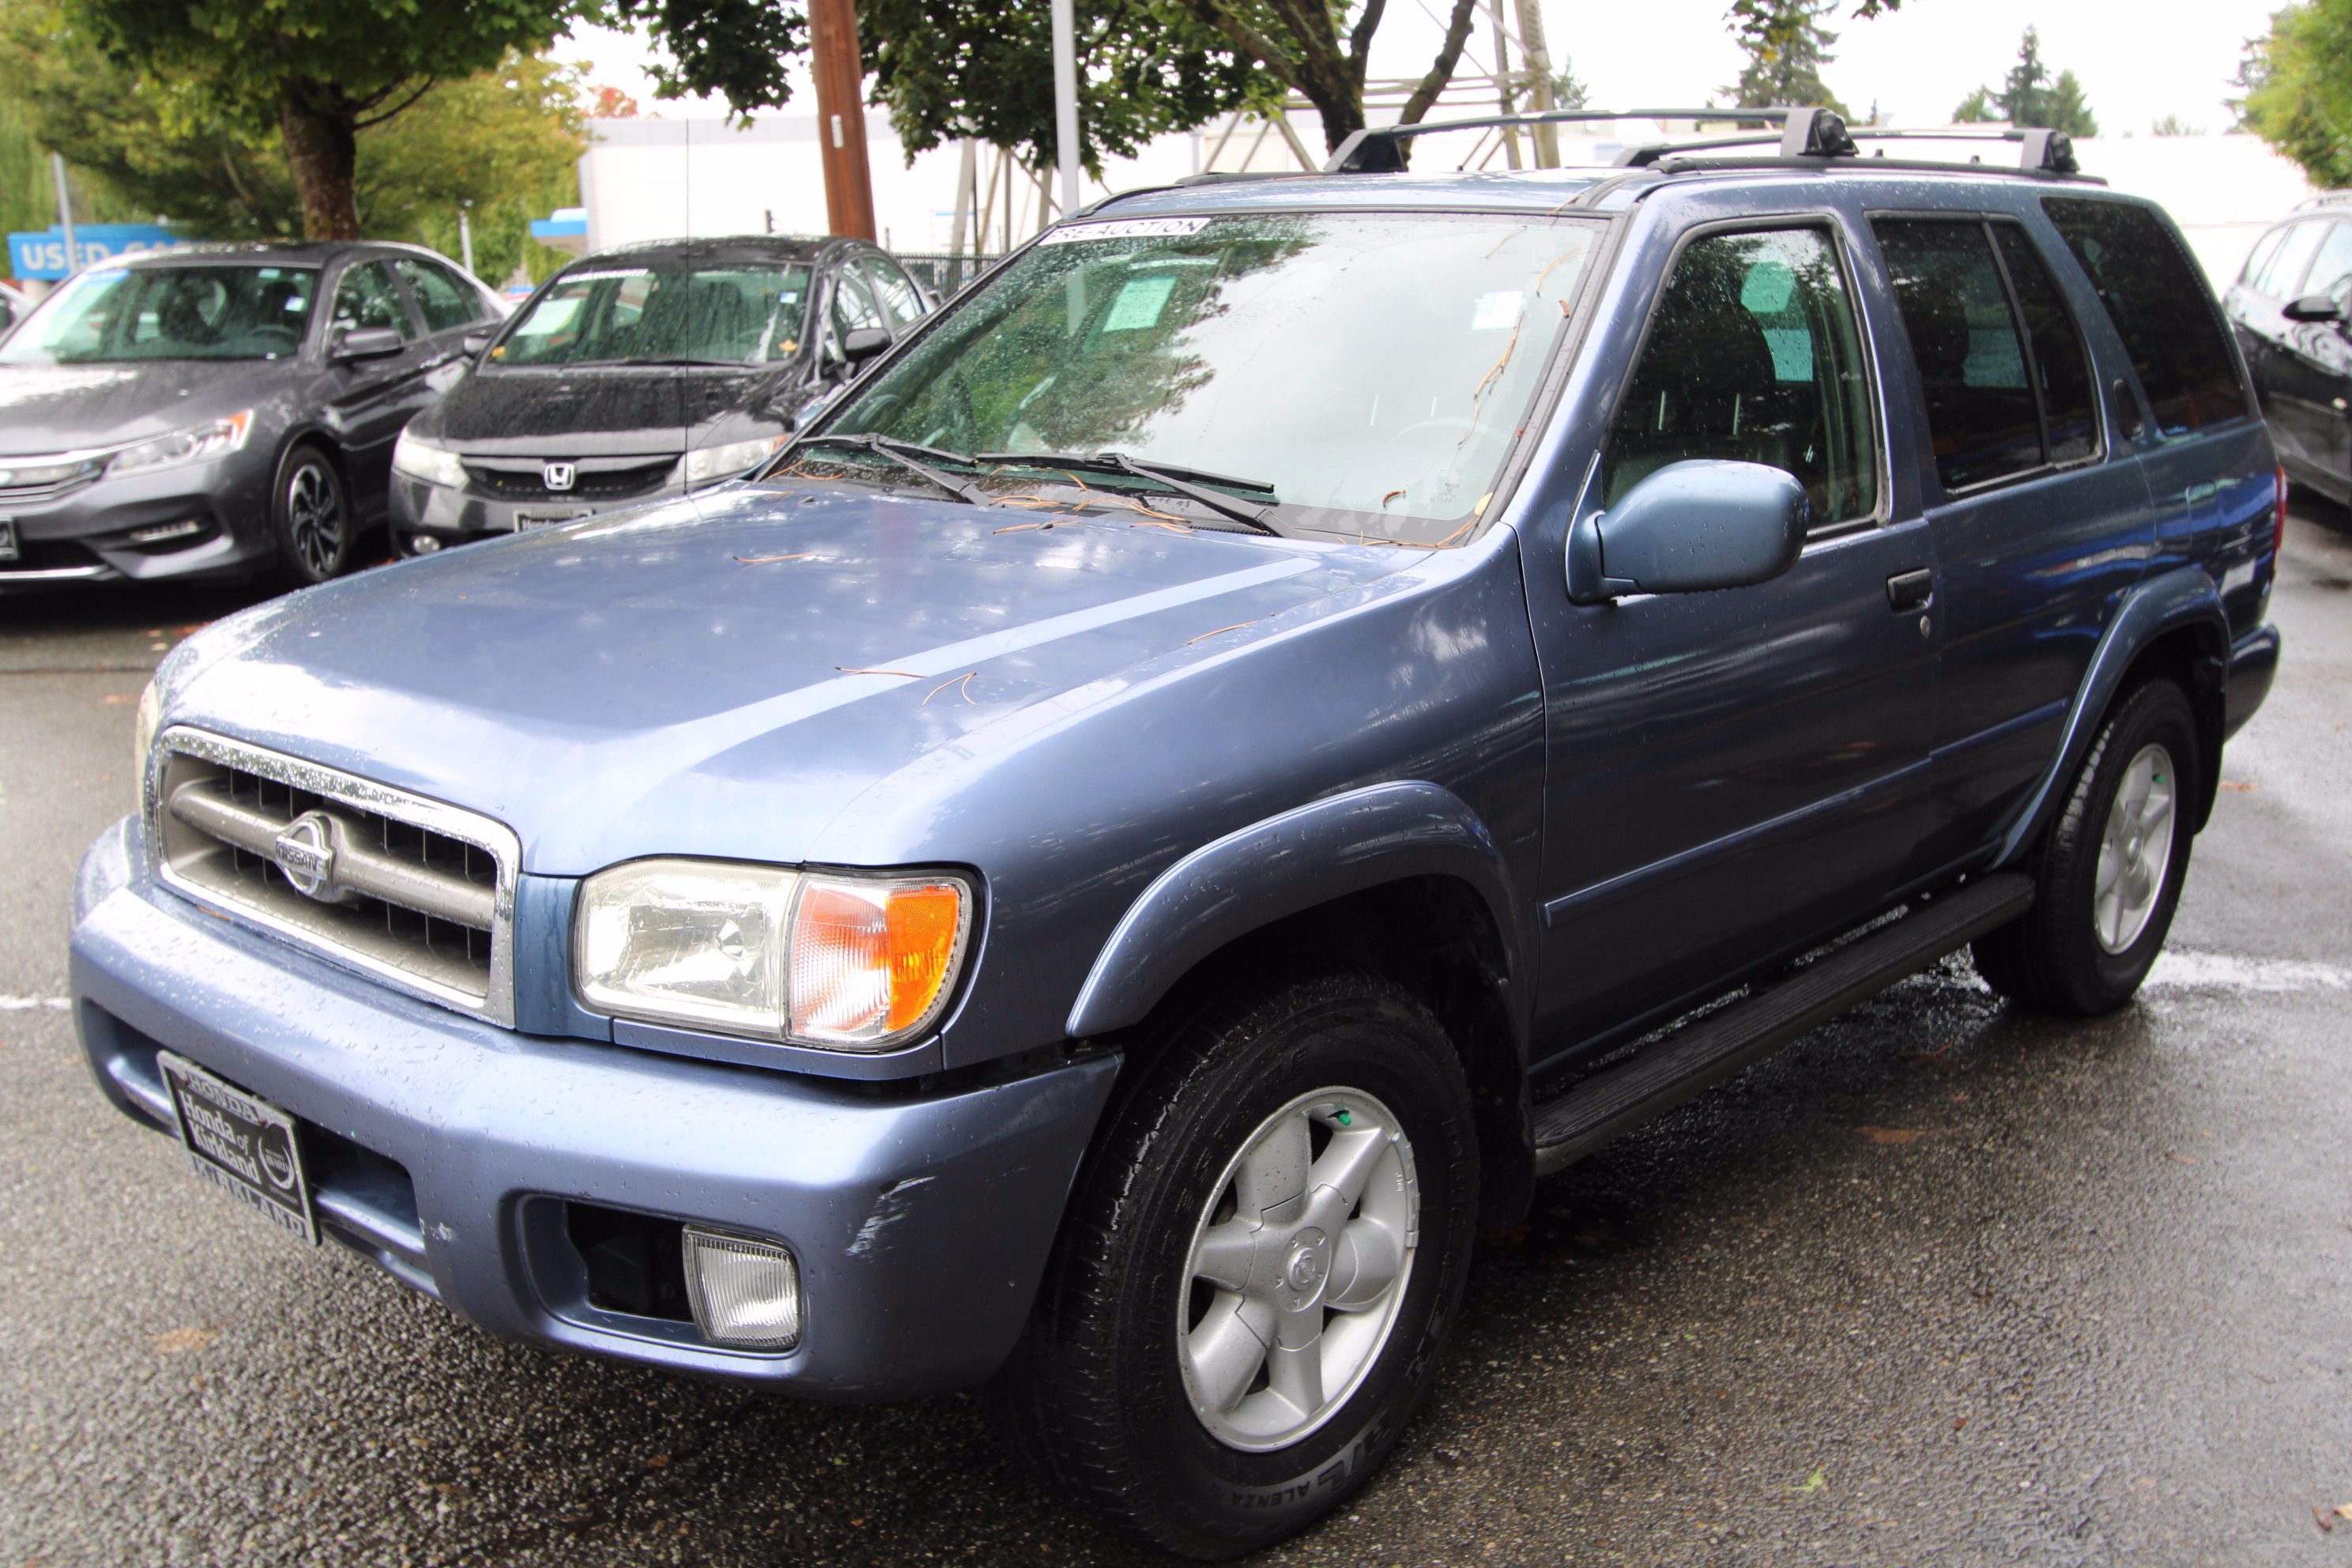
(305, 851)
(560, 475)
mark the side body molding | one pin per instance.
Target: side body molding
(1277, 866)
(2184, 597)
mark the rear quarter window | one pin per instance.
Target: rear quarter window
(2161, 308)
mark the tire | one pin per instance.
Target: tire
(1100, 1398)
(2084, 946)
(310, 512)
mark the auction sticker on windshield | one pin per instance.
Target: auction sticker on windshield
(245, 1146)
(1129, 228)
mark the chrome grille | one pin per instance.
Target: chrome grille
(407, 889)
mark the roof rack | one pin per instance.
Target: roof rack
(1806, 138)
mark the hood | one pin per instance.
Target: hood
(725, 675)
(596, 411)
(65, 408)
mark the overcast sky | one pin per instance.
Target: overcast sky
(2137, 61)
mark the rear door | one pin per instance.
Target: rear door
(2037, 521)
(449, 308)
(1733, 773)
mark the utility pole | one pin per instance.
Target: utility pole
(840, 74)
(465, 234)
(1066, 102)
(1539, 58)
(65, 214)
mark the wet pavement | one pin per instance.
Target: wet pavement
(1935, 1284)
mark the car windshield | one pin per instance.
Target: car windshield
(119, 314)
(661, 315)
(1368, 371)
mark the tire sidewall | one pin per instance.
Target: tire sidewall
(2157, 712)
(298, 457)
(1221, 1498)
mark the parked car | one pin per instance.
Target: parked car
(1223, 757)
(638, 375)
(197, 413)
(2291, 308)
(15, 306)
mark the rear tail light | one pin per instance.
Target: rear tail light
(2278, 517)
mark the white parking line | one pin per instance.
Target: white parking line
(2184, 971)
(28, 1004)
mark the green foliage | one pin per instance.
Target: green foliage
(2028, 97)
(2173, 125)
(952, 68)
(1569, 91)
(1787, 45)
(2298, 89)
(1320, 50)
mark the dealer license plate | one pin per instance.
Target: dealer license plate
(541, 519)
(8, 539)
(245, 1146)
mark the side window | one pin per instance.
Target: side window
(2331, 270)
(2258, 260)
(899, 301)
(2161, 308)
(1981, 415)
(2282, 278)
(852, 308)
(445, 304)
(365, 298)
(2062, 361)
(1754, 355)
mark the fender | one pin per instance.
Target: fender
(2184, 597)
(1279, 866)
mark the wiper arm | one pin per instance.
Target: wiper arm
(1173, 479)
(908, 455)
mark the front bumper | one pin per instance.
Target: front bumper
(921, 1225)
(457, 516)
(85, 534)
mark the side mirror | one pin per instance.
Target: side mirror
(369, 343)
(864, 343)
(2312, 308)
(1691, 527)
(474, 343)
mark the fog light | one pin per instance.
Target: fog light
(423, 545)
(743, 1292)
(163, 530)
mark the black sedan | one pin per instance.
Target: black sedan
(644, 372)
(221, 412)
(2292, 310)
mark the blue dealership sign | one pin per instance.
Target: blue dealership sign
(43, 254)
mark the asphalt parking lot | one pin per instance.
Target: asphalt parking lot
(1937, 1284)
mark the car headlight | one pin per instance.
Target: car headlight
(847, 962)
(421, 460)
(710, 463)
(216, 439)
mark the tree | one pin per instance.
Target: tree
(1568, 90)
(2028, 97)
(1976, 109)
(2298, 89)
(2173, 125)
(1319, 49)
(952, 68)
(319, 72)
(1786, 51)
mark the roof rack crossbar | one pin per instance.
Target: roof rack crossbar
(1802, 134)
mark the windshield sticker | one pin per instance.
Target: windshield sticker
(1129, 228)
(1499, 311)
(1139, 303)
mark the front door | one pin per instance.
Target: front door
(371, 399)
(2311, 384)
(1733, 774)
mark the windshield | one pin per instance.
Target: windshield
(662, 315)
(1370, 371)
(119, 314)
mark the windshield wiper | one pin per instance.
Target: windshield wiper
(1163, 474)
(908, 455)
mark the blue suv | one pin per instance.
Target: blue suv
(1292, 709)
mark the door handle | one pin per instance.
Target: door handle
(1909, 590)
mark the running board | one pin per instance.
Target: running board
(1706, 1052)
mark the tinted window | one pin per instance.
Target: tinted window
(2160, 306)
(2250, 275)
(2282, 278)
(2331, 269)
(445, 304)
(2062, 364)
(1753, 356)
(115, 314)
(896, 296)
(661, 315)
(365, 298)
(1981, 415)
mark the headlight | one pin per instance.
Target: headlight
(421, 460)
(144, 725)
(721, 462)
(851, 963)
(197, 442)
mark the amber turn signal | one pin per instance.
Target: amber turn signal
(873, 959)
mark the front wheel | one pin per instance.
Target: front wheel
(2109, 876)
(312, 516)
(1257, 1270)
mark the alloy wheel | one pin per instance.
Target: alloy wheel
(2135, 851)
(314, 518)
